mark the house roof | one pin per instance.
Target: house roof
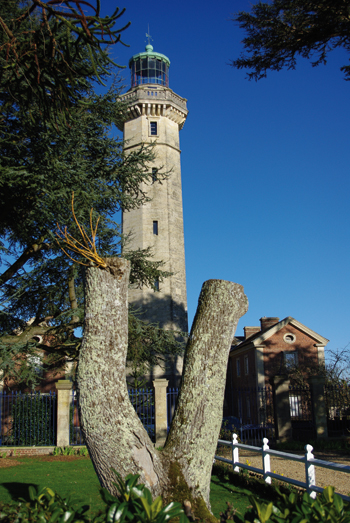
(260, 337)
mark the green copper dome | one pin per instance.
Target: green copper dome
(149, 67)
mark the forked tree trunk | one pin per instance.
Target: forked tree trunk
(113, 432)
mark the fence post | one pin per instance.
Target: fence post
(63, 388)
(160, 411)
(235, 452)
(310, 476)
(266, 460)
(318, 405)
(282, 410)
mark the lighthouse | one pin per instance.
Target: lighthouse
(156, 115)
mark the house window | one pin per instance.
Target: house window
(154, 174)
(155, 228)
(295, 406)
(246, 365)
(153, 128)
(238, 367)
(156, 284)
(290, 360)
(289, 337)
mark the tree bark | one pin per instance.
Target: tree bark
(196, 425)
(113, 432)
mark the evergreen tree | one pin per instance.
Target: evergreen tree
(43, 160)
(281, 30)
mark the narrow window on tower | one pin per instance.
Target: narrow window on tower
(156, 284)
(153, 128)
(155, 228)
(154, 174)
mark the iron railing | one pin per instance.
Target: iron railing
(250, 413)
(171, 397)
(27, 419)
(337, 398)
(142, 401)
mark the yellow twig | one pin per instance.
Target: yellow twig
(87, 249)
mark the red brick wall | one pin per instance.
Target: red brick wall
(307, 353)
(245, 380)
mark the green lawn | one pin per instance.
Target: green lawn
(78, 479)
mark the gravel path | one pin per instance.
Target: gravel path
(295, 470)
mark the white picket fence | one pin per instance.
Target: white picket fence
(266, 452)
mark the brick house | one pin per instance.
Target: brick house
(273, 348)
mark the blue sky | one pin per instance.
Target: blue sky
(265, 166)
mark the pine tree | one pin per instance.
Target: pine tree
(44, 159)
(280, 31)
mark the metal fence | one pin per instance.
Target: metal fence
(27, 419)
(250, 413)
(142, 401)
(337, 400)
(301, 412)
(171, 397)
(75, 433)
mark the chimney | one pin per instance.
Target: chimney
(267, 322)
(250, 331)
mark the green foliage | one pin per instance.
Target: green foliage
(133, 505)
(149, 346)
(281, 30)
(295, 508)
(65, 451)
(42, 164)
(44, 506)
(44, 48)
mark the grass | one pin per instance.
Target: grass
(75, 478)
(78, 479)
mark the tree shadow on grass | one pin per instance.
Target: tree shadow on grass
(19, 490)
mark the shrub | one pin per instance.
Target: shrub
(133, 505)
(294, 508)
(44, 505)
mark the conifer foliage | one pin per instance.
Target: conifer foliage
(58, 136)
(281, 30)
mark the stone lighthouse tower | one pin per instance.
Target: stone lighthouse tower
(157, 114)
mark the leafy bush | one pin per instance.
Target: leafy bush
(133, 505)
(298, 509)
(64, 451)
(44, 505)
